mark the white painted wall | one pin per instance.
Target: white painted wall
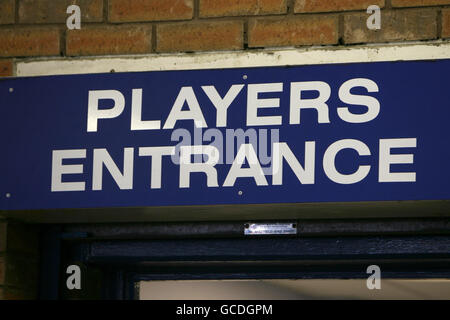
(235, 59)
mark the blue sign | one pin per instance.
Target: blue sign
(321, 133)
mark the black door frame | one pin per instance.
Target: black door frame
(124, 260)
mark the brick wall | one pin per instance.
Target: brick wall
(19, 258)
(35, 28)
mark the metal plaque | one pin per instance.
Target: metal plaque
(270, 228)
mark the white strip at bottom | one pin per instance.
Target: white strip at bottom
(234, 59)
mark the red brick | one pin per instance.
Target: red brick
(445, 23)
(109, 40)
(222, 8)
(150, 10)
(302, 6)
(7, 11)
(200, 36)
(17, 294)
(300, 30)
(19, 271)
(4, 66)
(21, 238)
(2, 270)
(16, 42)
(396, 25)
(418, 3)
(51, 11)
